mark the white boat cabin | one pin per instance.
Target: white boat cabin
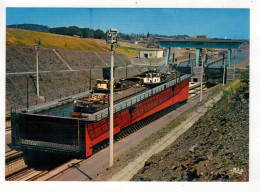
(152, 77)
(103, 84)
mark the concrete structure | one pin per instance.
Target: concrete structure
(150, 53)
(230, 74)
(196, 77)
(200, 44)
(167, 59)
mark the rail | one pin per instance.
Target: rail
(102, 114)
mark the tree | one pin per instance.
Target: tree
(85, 32)
(99, 34)
(73, 30)
(82, 32)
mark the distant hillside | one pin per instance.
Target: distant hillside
(31, 27)
(70, 31)
(25, 38)
(87, 32)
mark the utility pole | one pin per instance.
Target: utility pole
(126, 70)
(224, 71)
(234, 74)
(189, 59)
(27, 93)
(111, 124)
(201, 80)
(90, 78)
(191, 69)
(234, 66)
(36, 48)
(150, 60)
(112, 40)
(191, 66)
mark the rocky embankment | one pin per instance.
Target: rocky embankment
(216, 148)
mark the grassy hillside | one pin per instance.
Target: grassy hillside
(25, 38)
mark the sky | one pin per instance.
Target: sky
(219, 23)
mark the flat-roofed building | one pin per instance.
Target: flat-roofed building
(150, 53)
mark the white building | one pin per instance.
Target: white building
(150, 53)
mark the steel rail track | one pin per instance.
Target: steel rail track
(19, 174)
(14, 163)
(10, 155)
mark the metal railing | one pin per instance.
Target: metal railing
(49, 145)
(38, 103)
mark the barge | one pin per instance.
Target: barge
(36, 133)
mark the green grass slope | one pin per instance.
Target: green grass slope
(25, 38)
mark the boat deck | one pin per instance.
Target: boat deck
(121, 95)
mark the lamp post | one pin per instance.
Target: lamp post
(27, 93)
(201, 81)
(150, 60)
(111, 121)
(90, 79)
(36, 48)
(224, 71)
(191, 65)
(111, 40)
(126, 70)
(203, 55)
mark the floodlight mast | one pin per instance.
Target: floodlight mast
(112, 39)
